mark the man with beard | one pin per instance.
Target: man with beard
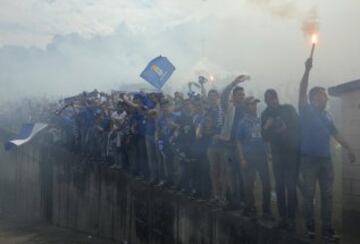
(280, 128)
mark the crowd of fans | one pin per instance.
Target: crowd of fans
(211, 145)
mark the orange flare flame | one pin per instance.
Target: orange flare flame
(314, 38)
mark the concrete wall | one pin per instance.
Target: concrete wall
(55, 185)
(350, 108)
(19, 181)
(350, 127)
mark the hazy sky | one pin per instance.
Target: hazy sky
(63, 47)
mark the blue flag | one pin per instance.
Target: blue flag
(158, 71)
(27, 132)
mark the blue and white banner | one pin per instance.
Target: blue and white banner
(158, 71)
(27, 132)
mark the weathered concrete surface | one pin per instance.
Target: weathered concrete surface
(16, 232)
(50, 183)
(20, 192)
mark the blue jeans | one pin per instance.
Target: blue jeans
(313, 169)
(257, 163)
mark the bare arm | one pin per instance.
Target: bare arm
(203, 90)
(226, 93)
(199, 131)
(131, 104)
(157, 131)
(303, 99)
(266, 123)
(62, 109)
(341, 140)
(268, 152)
(242, 159)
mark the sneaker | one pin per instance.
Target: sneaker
(282, 224)
(115, 166)
(310, 233)
(223, 203)
(232, 207)
(268, 217)
(214, 201)
(330, 235)
(250, 212)
(154, 182)
(162, 183)
(200, 200)
(290, 225)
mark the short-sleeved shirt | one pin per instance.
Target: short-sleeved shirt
(316, 129)
(249, 135)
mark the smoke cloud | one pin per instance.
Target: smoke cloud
(64, 49)
(288, 9)
(279, 8)
(72, 63)
(311, 22)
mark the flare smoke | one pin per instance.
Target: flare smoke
(288, 9)
(310, 24)
(280, 8)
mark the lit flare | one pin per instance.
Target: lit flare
(314, 39)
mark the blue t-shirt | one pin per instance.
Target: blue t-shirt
(249, 135)
(163, 124)
(316, 129)
(87, 117)
(68, 123)
(138, 122)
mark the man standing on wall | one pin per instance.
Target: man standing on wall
(224, 168)
(253, 159)
(280, 128)
(317, 127)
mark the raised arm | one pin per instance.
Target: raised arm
(225, 96)
(59, 112)
(303, 99)
(203, 91)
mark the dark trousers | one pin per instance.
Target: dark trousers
(234, 183)
(215, 156)
(313, 169)
(137, 156)
(152, 157)
(194, 175)
(286, 168)
(257, 163)
(201, 176)
(182, 173)
(166, 169)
